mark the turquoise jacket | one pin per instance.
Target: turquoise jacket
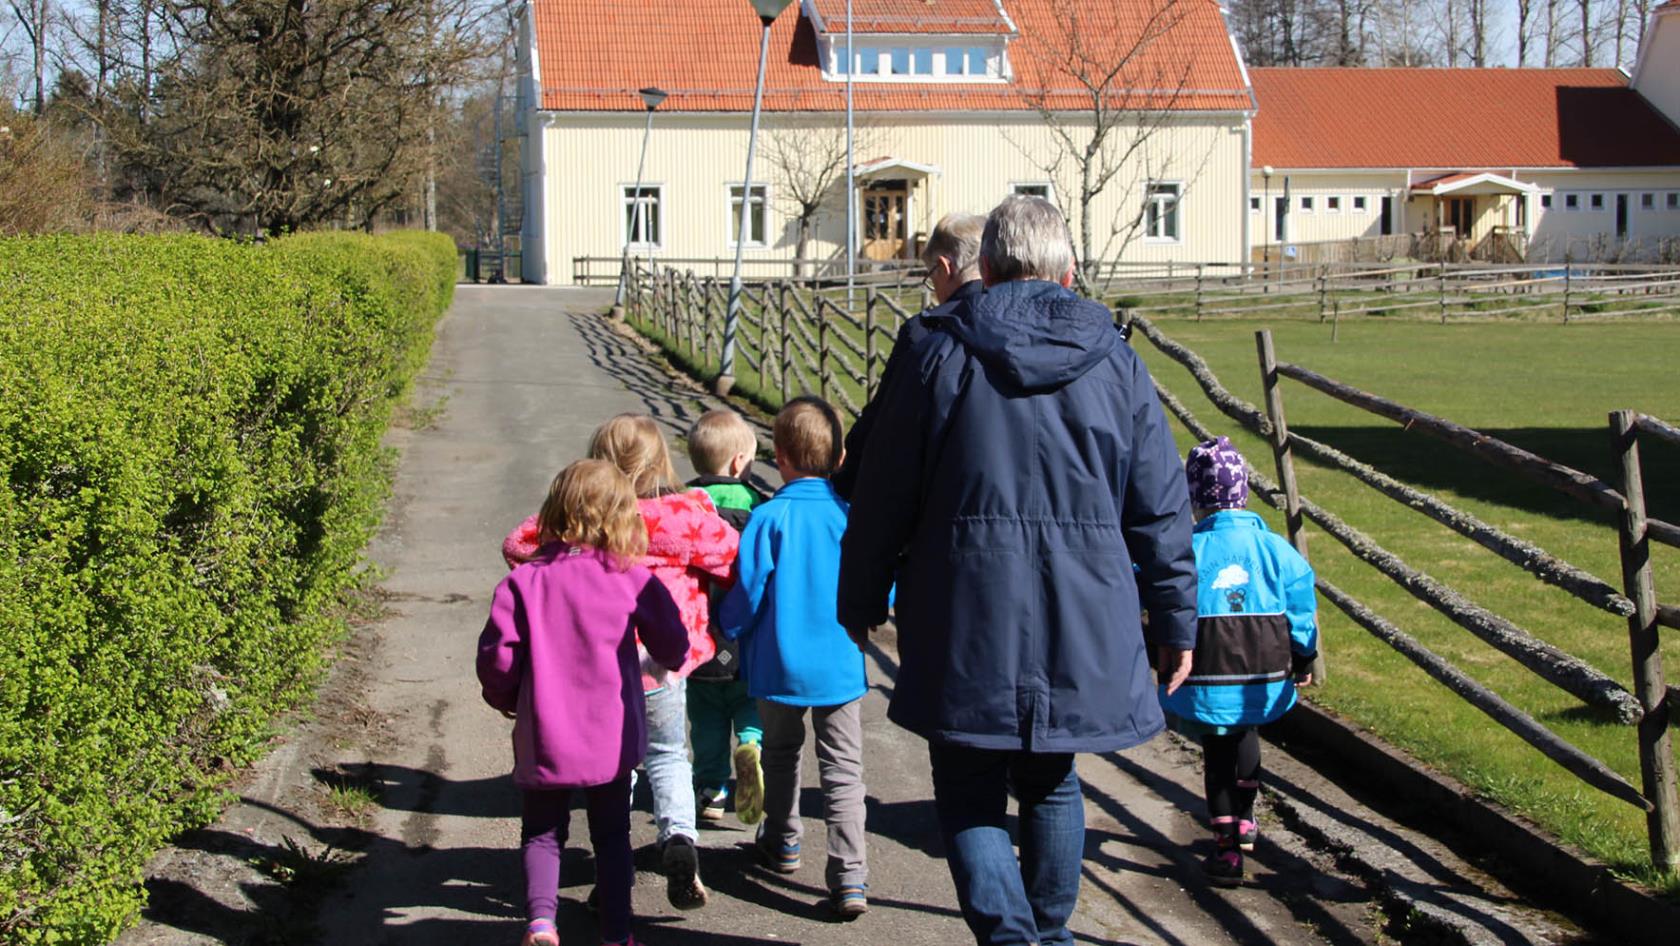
(1256, 619)
(793, 649)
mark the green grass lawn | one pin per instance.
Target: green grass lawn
(1547, 388)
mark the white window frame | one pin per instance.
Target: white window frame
(1333, 204)
(1020, 187)
(1672, 202)
(732, 214)
(935, 49)
(1595, 202)
(626, 195)
(1150, 198)
(1361, 204)
(1572, 202)
(1546, 201)
(1306, 203)
(1647, 201)
(1254, 204)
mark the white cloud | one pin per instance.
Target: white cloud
(1231, 576)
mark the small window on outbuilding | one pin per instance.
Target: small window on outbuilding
(1333, 205)
(1647, 202)
(1161, 211)
(1545, 202)
(1254, 205)
(1596, 201)
(1674, 200)
(1359, 204)
(1572, 202)
(1307, 205)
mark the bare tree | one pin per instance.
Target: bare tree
(34, 20)
(1106, 100)
(1586, 37)
(808, 166)
(1525, 30)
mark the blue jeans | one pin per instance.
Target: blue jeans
(669, 774)
(1006, 901)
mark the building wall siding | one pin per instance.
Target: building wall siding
(588, 159)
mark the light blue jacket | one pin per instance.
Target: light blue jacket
(782, 608)
(1256, 617)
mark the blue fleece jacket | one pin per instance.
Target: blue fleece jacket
(793, 649)
(1257, 623)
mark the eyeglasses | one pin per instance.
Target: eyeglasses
(927, 281)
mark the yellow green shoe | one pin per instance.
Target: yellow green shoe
(749, 784)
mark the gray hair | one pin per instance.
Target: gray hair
(1026, 238)
(957, 238)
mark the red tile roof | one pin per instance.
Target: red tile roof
(1456, 118)
(594, 56)
(915, 16)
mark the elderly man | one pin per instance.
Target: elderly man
(1023, 488)
(952, 257)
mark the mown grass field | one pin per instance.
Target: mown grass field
(1545, 387)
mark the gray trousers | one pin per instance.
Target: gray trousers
(839, 736)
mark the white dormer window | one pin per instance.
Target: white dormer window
(890, 59)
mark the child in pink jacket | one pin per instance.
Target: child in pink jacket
(560, 655)
(688, 547)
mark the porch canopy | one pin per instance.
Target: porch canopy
(894, 169)
(1472, 184)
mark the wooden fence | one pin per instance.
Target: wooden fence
(1652, 707)
(796, 338)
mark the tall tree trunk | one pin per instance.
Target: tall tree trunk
(1525, 10)
(1551, 33)
(1586, 31)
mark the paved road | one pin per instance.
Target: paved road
(527, 374)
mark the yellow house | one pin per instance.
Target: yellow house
(958, 103)
(1495, 164)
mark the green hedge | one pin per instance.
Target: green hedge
(190, 440)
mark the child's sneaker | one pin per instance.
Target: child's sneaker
(1247, 833)
(540, 932)
(682, 874)
(710, 807)
(849, 901)
(1225, 868)
(784, 862)
(749, 784)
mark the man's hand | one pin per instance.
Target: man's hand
(860, 637)
(1174, 666)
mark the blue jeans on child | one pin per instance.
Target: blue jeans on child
(669, 774)
(1006, 901)
(545, 819)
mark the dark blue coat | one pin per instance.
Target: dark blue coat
(1017, 471)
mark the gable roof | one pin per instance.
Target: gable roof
(1456, 118)
(594, 56)
(950, 17)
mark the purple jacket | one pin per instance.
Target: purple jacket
(559, 650)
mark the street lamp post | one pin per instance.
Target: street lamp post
(767, 11)
(652, 97)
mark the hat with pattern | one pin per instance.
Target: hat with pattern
(1215, 474)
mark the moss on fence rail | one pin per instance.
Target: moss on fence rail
(190, 438)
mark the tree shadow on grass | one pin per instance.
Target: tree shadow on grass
(1433, 466)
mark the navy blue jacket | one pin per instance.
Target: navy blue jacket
(912, 331)
(1018, 469)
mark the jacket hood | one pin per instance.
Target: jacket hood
(1039, 335)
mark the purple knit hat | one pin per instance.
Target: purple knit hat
(1214, 470)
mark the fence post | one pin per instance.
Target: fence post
(1284, 456)
(869, 344)
(1198, 292)
(1567, 270)
(1443, 272)
(822, 354)
(786, 312)
(1323, 290)
(1656, 757)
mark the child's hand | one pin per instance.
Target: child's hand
(860, 637)
(1174, 666)
(1304, 679)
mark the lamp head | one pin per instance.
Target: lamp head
(768, 10)
(652, 97)
(1267, 170)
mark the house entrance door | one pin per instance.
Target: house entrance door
(886, 219)
(1621, 218)
(1461, 216)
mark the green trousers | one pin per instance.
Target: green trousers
(717, 710)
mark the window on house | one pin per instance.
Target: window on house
(1596, 201)
(641, 215)
(1161, 211)
(1254, 205)
(1333, 205)
(1359, 205)
(979, 61)
(755, 215)
(842, 59)
(1647, 202)
(923, 63)
(869, 61)
(1033, 189)
(1545, 202)
(1306, 205)
(1572, 202)
(1673, 200)
(901, 62)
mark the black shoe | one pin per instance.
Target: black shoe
(1224, 869)
(681, 864)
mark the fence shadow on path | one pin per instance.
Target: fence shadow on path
(673, 403)
(1291, 882)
